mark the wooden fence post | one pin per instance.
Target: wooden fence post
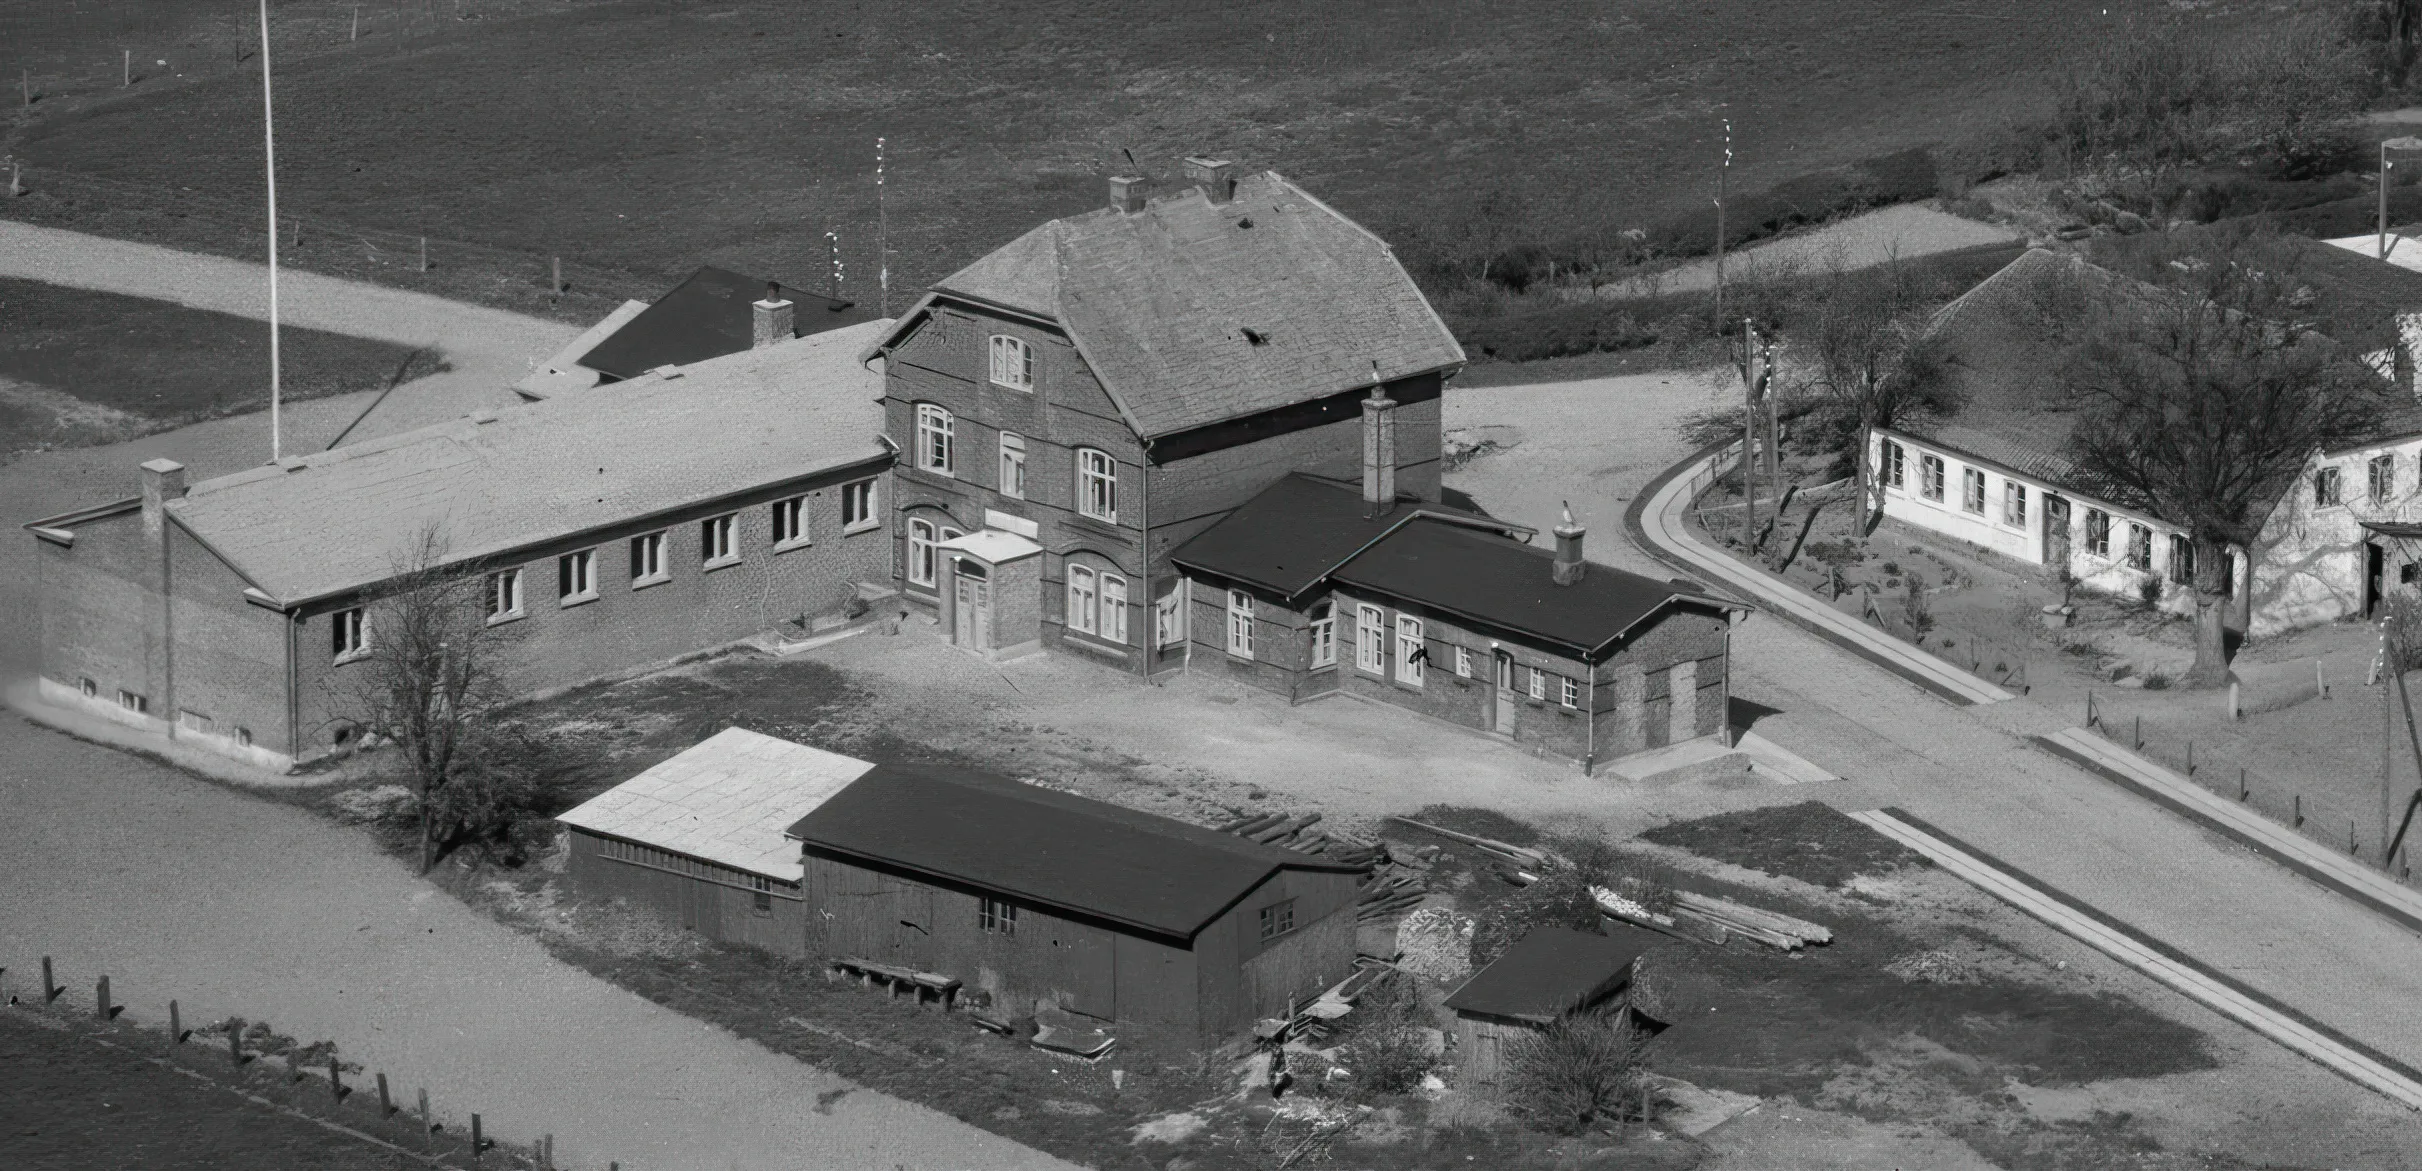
(2299, 810)
(386, 1105)
(2236, 711)
(428, 1129)
(357, 22)
(555, 277)
(2320, 681)
(2242, 791)
(424, 254)
(126, 68)
(235, 1040)
(101, 1010)
(336, 1075)
(2140, 732)
(25, 82)
(476, 1141)
(176, 1025)
(2190, 758)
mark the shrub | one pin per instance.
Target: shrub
(1915, 607)
(1580, 1072)
(2149, 592)
(1388, 1052)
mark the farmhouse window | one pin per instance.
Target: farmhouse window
(761, 904)
(1012, 362)
(1169, 615)
(2182, 560)
(647, 560)
(920, 553)
(716, 546)
(1572, 692)
(349, 635)
(2098, 532)
(2383, 476)
(2140, 547)
(91, 689)
(504, 595)
(790, 522)
(933, 438)
(2014, 504)
(1930, 477)
(1972, 491)
(1463, 662)
(132, 702)
(193, 721)
(1411, 655)
(576, 576)
(1896, 460)
(1277, 919)
(1097, 485)
(1371, 639)
(1324, 635)
(1114, 609)
(1082, 599)
(2325, 486)
(1013, 465)
(997, 916)
(858, 506)
(1538, 684)
(1240, 624)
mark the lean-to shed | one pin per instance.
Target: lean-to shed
(1550, 973)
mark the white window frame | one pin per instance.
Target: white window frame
(1240, 624)
(2328, 491)
(1930, 476)
(1169, 615)
(1084, 599)
(1538, 684)
(135, 702)
(2014, 503)
(858, 500)
(91, 688)
(578, 570)
(2181, 565)
(921, 556)
(1113, 622)
(2140, 548)
(935, 437)
(1571, 696)
(1096, 485)
(2098, 533)
(1370, 639)
(997, 916)
(1013, 465)
(647, 561)
(1412, 654)
(791, 523)
(1324, 635)
(1463, 662)
(2380, 476)
(349, 634)
(502, 595)
(1895, 461)
(719, 541)
(1012, 362)
(1972, 491)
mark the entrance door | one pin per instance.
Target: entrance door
(2375, 576)
(1506, 699)
(972, 612)
(2056, 532)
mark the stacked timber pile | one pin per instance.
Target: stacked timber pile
(1395, 885)
(1522, 856)
(1768, 927)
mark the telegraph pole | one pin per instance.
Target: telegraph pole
(882, 235)
(269, 142)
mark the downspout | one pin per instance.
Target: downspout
(168, 631)
(1144, 518)
(1589, 763)
(294, 702)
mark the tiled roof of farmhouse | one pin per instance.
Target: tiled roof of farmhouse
(1165, 304)
(1290, 535)
(1056, 850)
(321, 524)
(725, 799)
(707, 316)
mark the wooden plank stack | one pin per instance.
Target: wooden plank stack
(1394, 886)
(1767, 927)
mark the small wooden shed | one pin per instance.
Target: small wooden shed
(698, 838)
(1548, 974)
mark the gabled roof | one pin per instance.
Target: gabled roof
(310, 526)
(708, 316)
(725, 799)
(1553, 971)
(1049, 849)
(1292, 534)
(1166, 304)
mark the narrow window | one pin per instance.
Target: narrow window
(504, 595)
(1081, 599)
(997, 916)
(576, 576)
(1371, 639)
(1324, 635)
(91, 689)
(2182, 560)
(2325, 486)
(1097, 485)
(1240, 624)
(933, 438)
(715, 544)
(1538, 684)
(1013, 465)
(920, 553)
(1012, 362)
(1114, 608)
(2140, 547)
(647, 560)
(1572, 693)
(1930, 477)
(350, 639)
(1894, 464)
(858, 506)
(1169, 616)
(1411, 655)
(1972, 491)
(132, 702)
(2014, 504)
(1277, 919)
(2383, 478)
(1463, 662)
(761, 904)
(2098, 532)
(243, 737)
(790, 521)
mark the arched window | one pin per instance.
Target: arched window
(1113, 626)
(1012, 362)
(920, 552)
(1082, 599)
(933, 438)
(1096, 484)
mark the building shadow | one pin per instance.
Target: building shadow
(1746, 713)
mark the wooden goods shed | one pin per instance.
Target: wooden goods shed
(1043, 898)
(1550, 973)
(698, 839)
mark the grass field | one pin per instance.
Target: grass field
(79, 367)
(650, 135)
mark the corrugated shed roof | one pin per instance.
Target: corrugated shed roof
(1165, 304)
(338, 520)
(707, 316)
(1294, 532)
(1552, 971)
(1046, 848)
(726, 799)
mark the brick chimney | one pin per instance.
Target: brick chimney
(1378, 452)
(1216, 177)
(773, 318)
(1128, 192)
(1568, 566)
(163, 481)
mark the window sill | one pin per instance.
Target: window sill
(864, 526)
(1105, 527)
(579, 600)
(1235, 656)
(994, 382)
(722, 563)
(925, 587)
(787, 546)
(338, 661)
(1093, 644)
(1405, 685)
(641, 583)
(512, 616)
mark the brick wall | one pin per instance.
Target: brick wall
(96, 600)
(230, 655)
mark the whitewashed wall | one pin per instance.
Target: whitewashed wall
(2309, 563)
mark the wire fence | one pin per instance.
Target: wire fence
(2323, 814)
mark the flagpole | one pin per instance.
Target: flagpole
(270, 143)
(882, 236)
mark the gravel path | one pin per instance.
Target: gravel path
(1905, 230)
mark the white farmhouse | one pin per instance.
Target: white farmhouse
(1994, 474)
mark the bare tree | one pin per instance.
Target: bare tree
(428, 678)
(1873, 358)
(2202, 397)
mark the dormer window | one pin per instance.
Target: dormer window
(1012, 362)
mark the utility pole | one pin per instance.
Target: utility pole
(1749, 434)
(1721, 173)
(269, 143)
(882, 235)
(832, 244)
